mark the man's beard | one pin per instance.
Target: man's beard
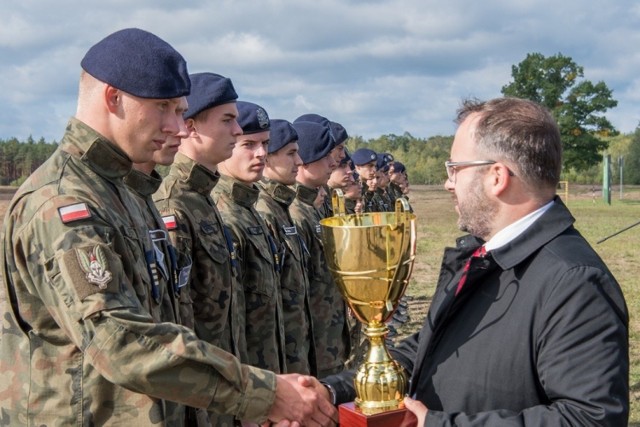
(477, 211)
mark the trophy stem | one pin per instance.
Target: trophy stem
(380, 382)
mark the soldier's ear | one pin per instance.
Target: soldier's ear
(191, 127)
(113, 98)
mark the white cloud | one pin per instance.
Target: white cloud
(377, 67)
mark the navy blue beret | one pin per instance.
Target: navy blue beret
(314, 118)
(140, 63)
(398, 167)
(209, 90)
(339, 132)
(362, 156)
(281, 134)
(382, 162)
(388, 157)
(314, 140)
(252, 118)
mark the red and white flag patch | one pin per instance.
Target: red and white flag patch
(170, 222)
(74, 212)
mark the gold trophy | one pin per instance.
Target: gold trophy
(371, 258)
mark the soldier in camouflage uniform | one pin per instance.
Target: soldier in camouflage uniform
(353, 195)
(328, 309)
(377, 185)
(143, 181)
(212, 299)
(80, 342)
(258, 257)
(364, 160)
(273, 204)
(340, 178)
(339, 135)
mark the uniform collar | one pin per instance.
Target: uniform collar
(142, 183)
(279, 192)
(239, 192)
(306, 194)
(100, 154)
(196, 176)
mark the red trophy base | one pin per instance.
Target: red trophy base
(350, 416)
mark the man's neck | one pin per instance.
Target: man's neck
(146, 167)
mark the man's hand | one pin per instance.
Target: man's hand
(309, 381)
(418, 408)
(297, 403)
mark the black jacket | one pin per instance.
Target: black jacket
(537, 336)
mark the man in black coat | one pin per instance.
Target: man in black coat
(536, 332)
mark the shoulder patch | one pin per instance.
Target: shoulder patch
(74, 212)
(170, 222)
(95, 266)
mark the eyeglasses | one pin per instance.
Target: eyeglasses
(452, 167)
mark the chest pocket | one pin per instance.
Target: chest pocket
(258, 265)
(215, 246)
(138, 268)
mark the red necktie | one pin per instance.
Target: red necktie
(478, 253)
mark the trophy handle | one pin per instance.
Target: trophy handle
(337, 202)
(402, 206)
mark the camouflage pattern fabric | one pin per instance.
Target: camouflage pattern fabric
(328, 309)
(381, 202)
(259, 266)
(326, 209)
(368, 203)
(163, 266)
(273, 204)
(79, 343)
(350, 206)
(211, 297)
(164, 258)
(394, 191)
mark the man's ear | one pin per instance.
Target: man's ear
(191, 127)
(113, 98)
(500, 178)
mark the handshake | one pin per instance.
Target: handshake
(301, 400)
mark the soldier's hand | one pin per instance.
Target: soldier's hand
(299, 404)
(309, 381)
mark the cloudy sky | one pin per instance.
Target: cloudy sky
(378, 67)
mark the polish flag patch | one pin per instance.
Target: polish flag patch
(74, 212)
(170, 222)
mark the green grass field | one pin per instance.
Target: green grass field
(594, 219)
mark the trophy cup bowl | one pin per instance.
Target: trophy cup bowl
(371, 258)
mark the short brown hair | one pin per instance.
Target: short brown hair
(520, 132)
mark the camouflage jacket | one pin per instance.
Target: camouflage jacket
(330, 328)
(326, 209)
(210, 298)
(368, 202)
(79, 343)
(273, 204)
(381, 201)
(162, 264)
(162, 260)
(259, 266)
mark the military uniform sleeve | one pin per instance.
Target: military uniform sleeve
(88, 287)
